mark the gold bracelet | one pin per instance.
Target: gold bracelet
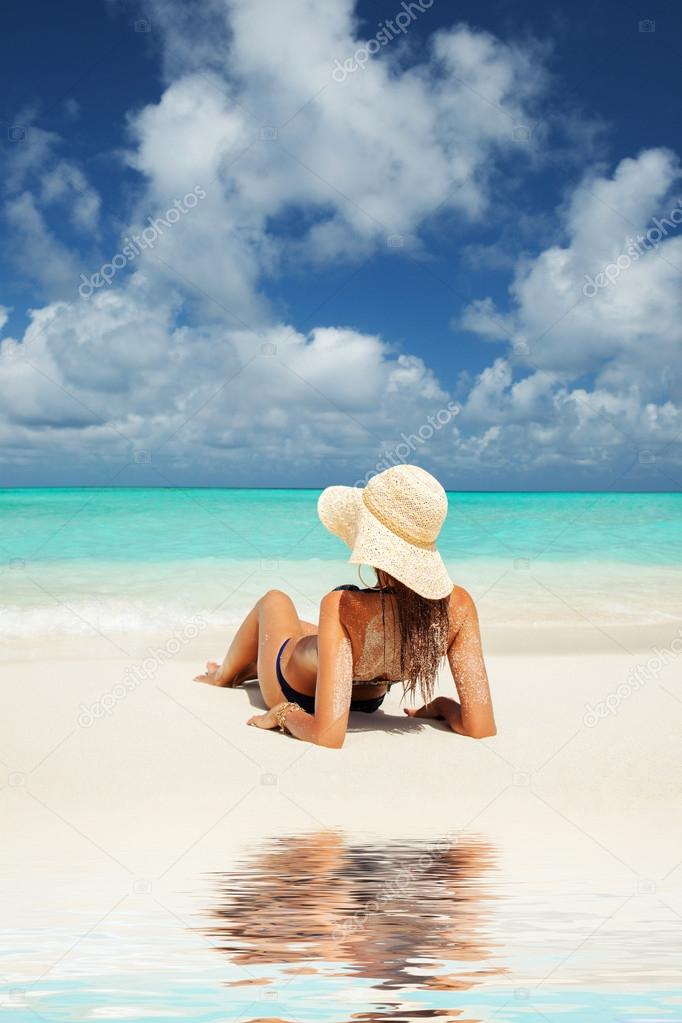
(281, 715)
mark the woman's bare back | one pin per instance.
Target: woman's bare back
(370, 621)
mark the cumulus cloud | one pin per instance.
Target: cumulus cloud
(624, 332)
(184, 357)
(34, 165)
(28, 155)
(37, 183)
(175, 354)
(36, 250)
(66, 182)
(256, 118)
(127, 378)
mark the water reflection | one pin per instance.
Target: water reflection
(405, 916)
(330, 928)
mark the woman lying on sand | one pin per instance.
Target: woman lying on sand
(367, 640)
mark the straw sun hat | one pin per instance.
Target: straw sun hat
(393, 524)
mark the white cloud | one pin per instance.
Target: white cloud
(365, 159)
(36, 250)
(122, 374)
(27, 155)
(267, 130)
(36, 183)
(626, 335)
(65, 182)
(481, 317)
(170, 357)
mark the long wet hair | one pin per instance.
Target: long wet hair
(423, 626)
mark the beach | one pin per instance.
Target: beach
(134, 798)
(290, 285)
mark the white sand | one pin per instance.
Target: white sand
(171, 779)
(116, 823)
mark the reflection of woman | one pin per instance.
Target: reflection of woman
(316, 900)
(399, 630)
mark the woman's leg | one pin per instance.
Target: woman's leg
(242, 653)
(277, 620)
(257, 643)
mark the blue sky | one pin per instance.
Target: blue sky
(404, 249)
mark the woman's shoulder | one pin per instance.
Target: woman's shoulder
(461, 606)
(344, 595)
(352, 604)
(460, 597)
(340, 595)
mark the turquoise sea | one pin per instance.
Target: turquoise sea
(74, 559)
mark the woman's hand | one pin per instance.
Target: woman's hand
(267, 720)
(441, 709)
(436, 709)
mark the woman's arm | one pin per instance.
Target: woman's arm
(473, 716)
(327, 726)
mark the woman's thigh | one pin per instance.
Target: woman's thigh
(278, 621)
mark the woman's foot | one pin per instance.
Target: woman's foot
(213, 677)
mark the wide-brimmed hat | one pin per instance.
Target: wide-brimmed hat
(393, 524)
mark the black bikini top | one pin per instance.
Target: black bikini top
(359, 589)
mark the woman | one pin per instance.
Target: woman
(400, 630)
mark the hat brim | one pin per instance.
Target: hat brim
(343, 512)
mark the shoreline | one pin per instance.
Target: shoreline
(59, 601)
(541, 640)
